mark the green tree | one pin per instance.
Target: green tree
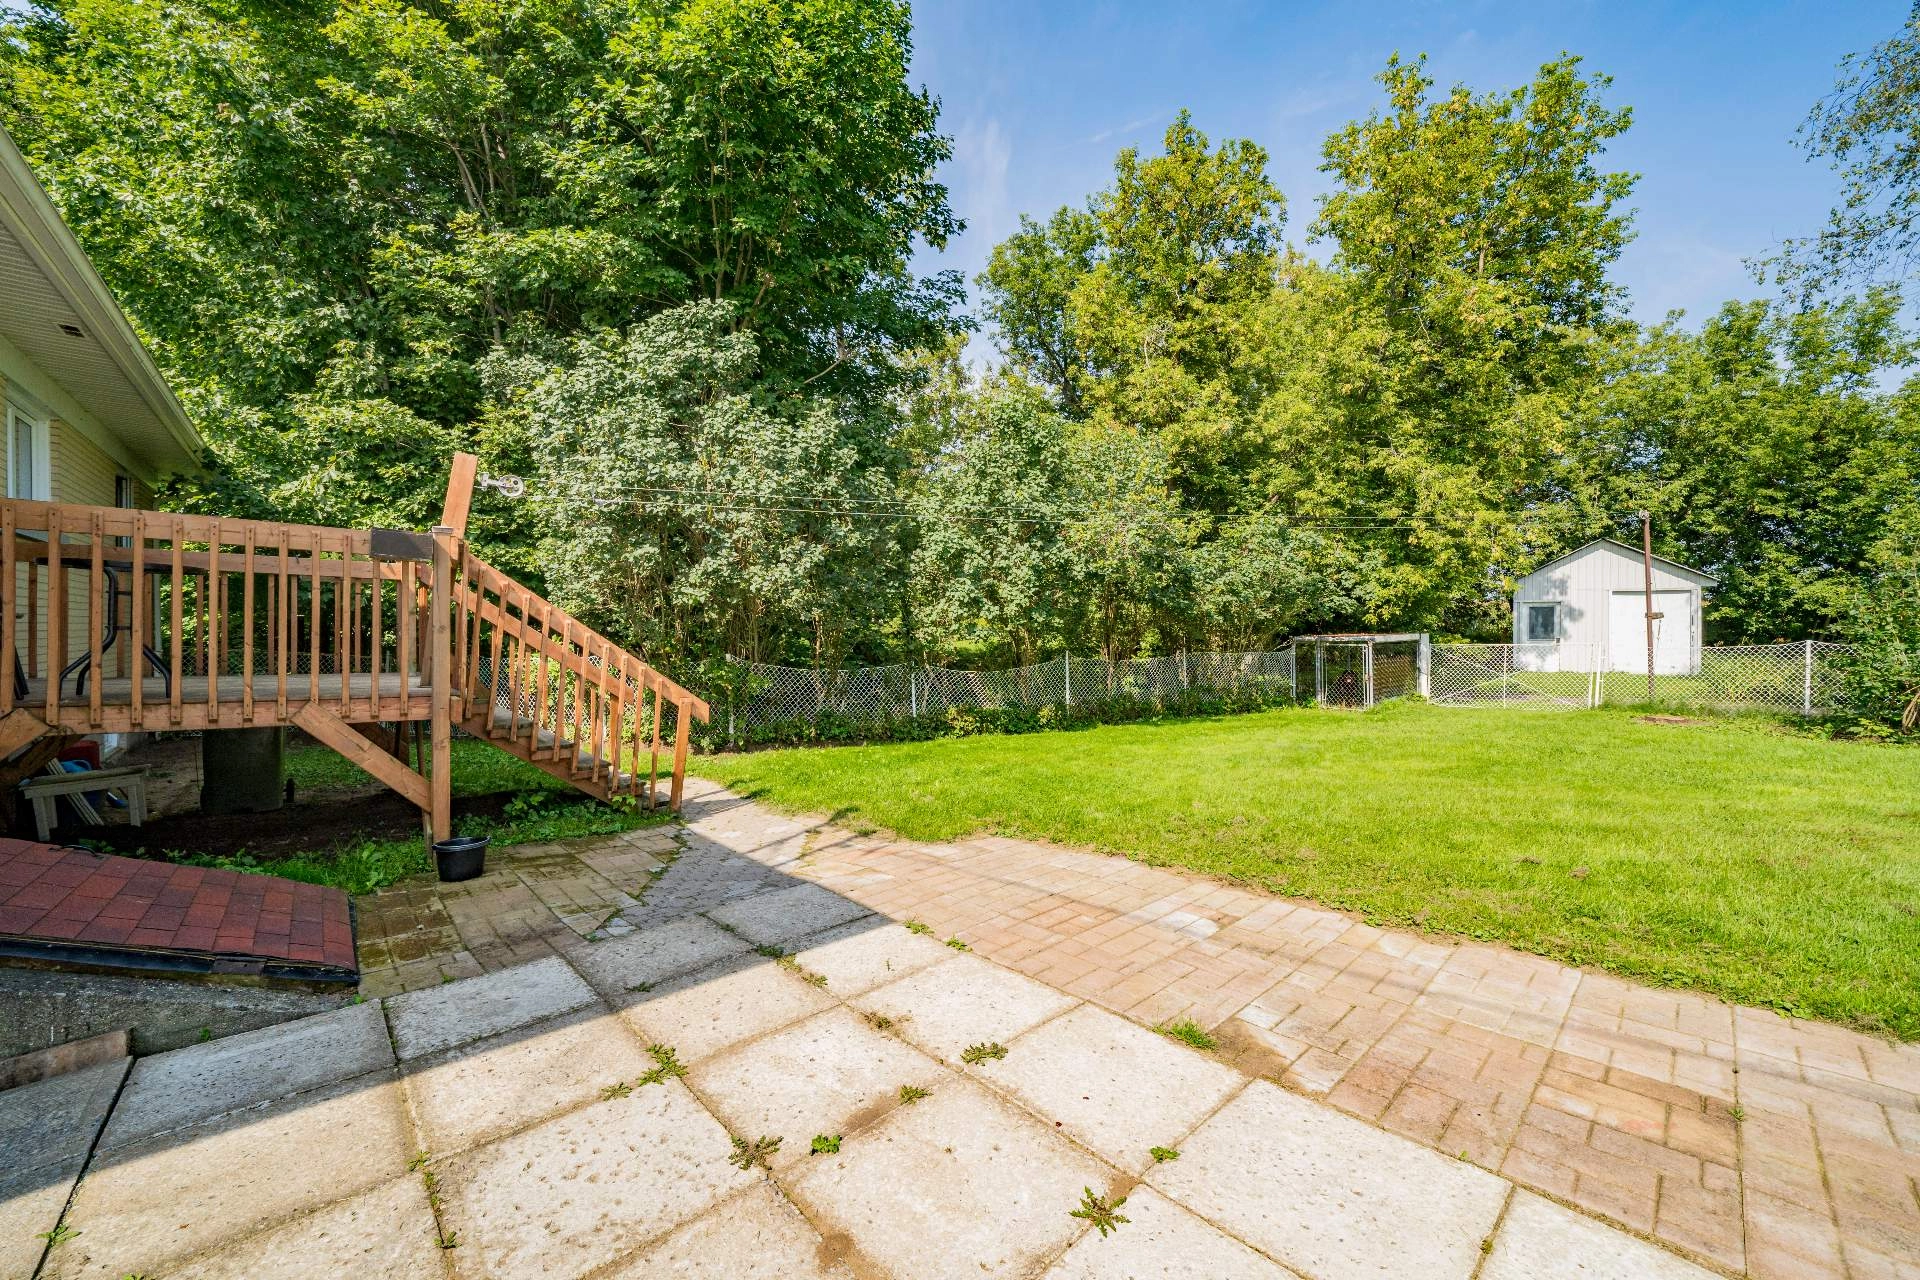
(693, 519)
(1768, 455)
(328, 217)
(1868, 128)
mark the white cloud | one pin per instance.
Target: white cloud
(1152, 117)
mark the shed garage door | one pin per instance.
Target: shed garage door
(1672, 634)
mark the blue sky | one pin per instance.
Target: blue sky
(1038, 97)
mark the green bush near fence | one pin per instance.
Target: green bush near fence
(831, 728)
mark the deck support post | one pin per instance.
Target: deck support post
(440, 673)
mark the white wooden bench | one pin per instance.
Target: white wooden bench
(130, 781)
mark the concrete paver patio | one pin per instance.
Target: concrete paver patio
(1383, 1104)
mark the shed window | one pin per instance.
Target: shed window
(1543, 622)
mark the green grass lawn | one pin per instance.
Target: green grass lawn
(1727, 855)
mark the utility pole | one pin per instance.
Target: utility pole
(1646, 564)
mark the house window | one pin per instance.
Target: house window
(1543, 622)
(26, 455)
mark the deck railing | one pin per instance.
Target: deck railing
(544, 679)
(149, 620)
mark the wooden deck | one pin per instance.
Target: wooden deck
(430, 633)
(365, 698)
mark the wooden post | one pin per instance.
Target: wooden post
(1646, 563)
(440, 664)
(453, 514)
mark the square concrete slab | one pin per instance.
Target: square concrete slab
(756, 1235)
(615, 967)
(586, 1189)
(959, 1186)
(386, 1232)
(1112, 1084)
(46, 1130)
(786, 914)
(479, 1091)
(830, 1074)
(149, 1204)
(1162, 1241)
(961, 1002)
(441, 1017)
(1539, 1240)
(703, 1012)
(1329, 1195)
(860, 956)
(201, 1081)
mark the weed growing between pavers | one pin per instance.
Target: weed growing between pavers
(666, 1065)
(914, 926)
(1162, 1154)
(975, 1054)
(60, 1234)
(792, 965)
(878, 1021)
(958, 945)
(753, 1155)
(826, 1145)
(1104, 1214)
(641, 987)
(618, 1089)
(912, 1093)
(422, 1164)
(1189, 1032)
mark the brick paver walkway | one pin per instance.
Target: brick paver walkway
(58, 900)
(1758, 1144)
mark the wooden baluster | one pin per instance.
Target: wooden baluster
(246, 627)
(609, 738)
(33, 619)
(313, 620)
(403, 606)
(542, 683)
(682, 731)
(343, 628)
(282, 628)
(9, 574)
(56, 615)
(200, 616)
(217, 624)
(519, 643)
(179, 581)
(353, 627)
(137, 633)
(653, 767)
(376, 653)
(96, 611)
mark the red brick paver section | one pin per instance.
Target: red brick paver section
(63, 897)
(1761, 1145)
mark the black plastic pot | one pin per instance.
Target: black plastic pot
(461, 858)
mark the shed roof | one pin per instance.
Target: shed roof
(1689, 570)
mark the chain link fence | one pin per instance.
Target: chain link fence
(774, 695)
(1794, 679)
(1803, 678)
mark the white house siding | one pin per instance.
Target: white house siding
(1583, 586)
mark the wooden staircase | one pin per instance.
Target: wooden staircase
(552, 691)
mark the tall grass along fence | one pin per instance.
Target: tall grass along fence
(764, 703)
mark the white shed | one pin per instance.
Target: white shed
(1587, 610)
